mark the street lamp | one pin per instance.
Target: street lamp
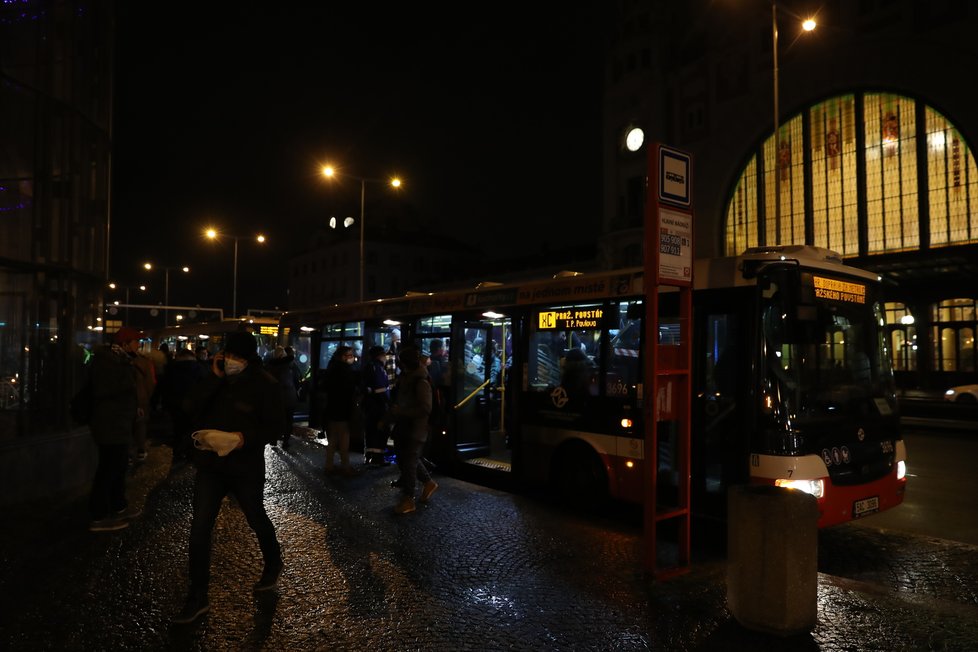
(116, 286)
(394, 182)
(166, 287)
(213, 234)
(808, 25)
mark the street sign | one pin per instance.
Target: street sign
(674, 176)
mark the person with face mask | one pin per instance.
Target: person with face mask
(239, 406)
(341, 392)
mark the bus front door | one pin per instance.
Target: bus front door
(480, 404)
(472, 391)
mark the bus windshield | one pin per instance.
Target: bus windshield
(823, 346)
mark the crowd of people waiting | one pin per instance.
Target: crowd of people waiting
(225, 410)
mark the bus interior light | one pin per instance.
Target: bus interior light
(813, 487)
(630, 464)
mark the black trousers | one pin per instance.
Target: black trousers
(109, 484)
(210, 488)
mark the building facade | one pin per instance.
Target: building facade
(55, 116)
(872, 156)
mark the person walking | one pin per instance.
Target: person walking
(114, 411)
(409, 413)
(376, 387)
(238, 410)
(341, 392)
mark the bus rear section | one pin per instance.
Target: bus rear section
(793, 385)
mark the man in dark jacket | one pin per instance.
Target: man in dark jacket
(410, 412)
(114, 414)
(238, 410)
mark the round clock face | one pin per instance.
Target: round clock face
(634, 139)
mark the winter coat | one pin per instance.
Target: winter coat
(287, 375)
(341, 391)
(114, 396)
(145, 380)
(412, 403)
(249, 403)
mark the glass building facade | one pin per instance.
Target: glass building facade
(55, 117)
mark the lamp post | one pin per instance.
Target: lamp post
(166, 287)
(329, 172)
(116, 286)
(808, 25)
(213, 234)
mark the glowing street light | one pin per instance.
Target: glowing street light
(394, 182)
(166, 287)
(214, 234)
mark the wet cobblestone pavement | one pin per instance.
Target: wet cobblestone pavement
(476, 569)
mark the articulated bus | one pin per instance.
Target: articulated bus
(543, 382)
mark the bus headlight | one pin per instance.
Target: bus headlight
(626, 423)
(901, 470)
(813, 487)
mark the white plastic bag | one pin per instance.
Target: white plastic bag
(219, 441)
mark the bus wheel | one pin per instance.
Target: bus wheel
(579, 477)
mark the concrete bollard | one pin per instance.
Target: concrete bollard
(772, 559)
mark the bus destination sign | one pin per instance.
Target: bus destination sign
(831, 289)
(570, 318)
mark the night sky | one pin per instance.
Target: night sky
(225, 114)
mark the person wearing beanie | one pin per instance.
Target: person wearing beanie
(238, 397)
(114, 411)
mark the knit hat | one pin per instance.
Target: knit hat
(126, 334)
(241, 344)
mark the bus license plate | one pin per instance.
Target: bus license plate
(866, 506)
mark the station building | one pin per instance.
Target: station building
(55, 116)
(872, 156)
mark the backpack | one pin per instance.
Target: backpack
(82, 405)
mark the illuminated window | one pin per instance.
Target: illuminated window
(954, 334)
(903, 336)
(785, 223)
(742, 212)
(952, 181)
(833, 164)
(890, 160)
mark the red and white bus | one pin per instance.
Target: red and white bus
(543, 381)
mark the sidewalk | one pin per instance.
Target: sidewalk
(476, 569)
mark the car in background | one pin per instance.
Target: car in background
(962, 394)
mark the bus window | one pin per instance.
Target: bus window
(565, 350)
(626, 337)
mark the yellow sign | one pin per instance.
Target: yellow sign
(570, 318)
(832, 289)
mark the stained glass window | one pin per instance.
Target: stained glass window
(953, 186)
(833, 164)
(892, 170)
(742, 212)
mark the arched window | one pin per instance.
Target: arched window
(902, 336)
(888, 160)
